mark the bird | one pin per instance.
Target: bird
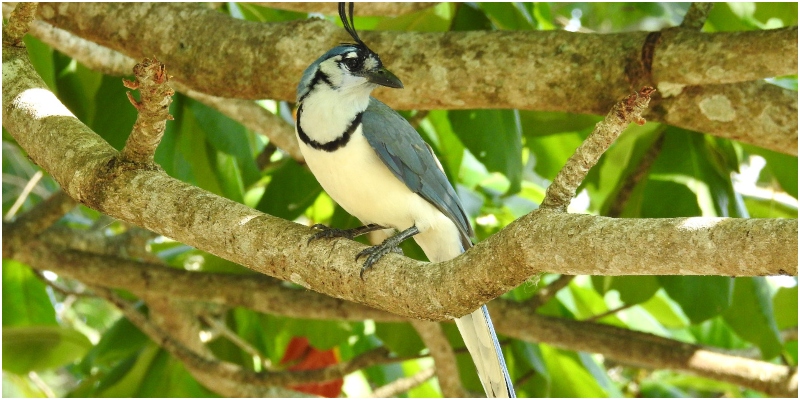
(375, 165)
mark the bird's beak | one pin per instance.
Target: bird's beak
(382, 76)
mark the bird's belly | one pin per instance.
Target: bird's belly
(361, 183)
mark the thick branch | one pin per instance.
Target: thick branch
(111, 62)
(261, 294)
(388, 9)
(564, 71)
(86, 168)
(730, 111)
(644, 349)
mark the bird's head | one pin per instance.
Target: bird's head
(347, 66)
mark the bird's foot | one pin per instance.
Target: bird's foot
(375, 253)
(389, 245)
(328, 232)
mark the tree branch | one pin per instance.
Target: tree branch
(40, 217)
(643, 349)
(404, 384)
(696, 15)
(18, 24)
(366, 8)
(264, 295)
(87, 169)
(562, 190)
(546, 293)
(153, 108)
(219, 373)
(446, 69)
(443, 357)
(110, 62)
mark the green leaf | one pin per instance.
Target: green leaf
(715, 332)
(293, 188)
(552, 152)
(400, 338)
(120, 341)
(167, 377)
(255, 12)
(41, 56)
(468, 18)
(569, 378)
(229, 137)
(785, 305)
(431, 19)
(494, 137)
(323, 335)
(686, 159)
(127, 381)
(768, 208)
(447, 147)
(544, 123)
(751, 317)
(194, 159)
(25, 299)
(635, 289)
(230, 177)
(72, 90)
(507, 16)
(37, 348)
(782, 167)
(700, 297)
(114, 115)
(666, 311)
(668, 199)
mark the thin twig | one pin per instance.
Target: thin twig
(153, 107)
(403, 384)
(61, 289)
(696, 16)
(443, 357)
(223, 330)
(548, 292)
(18, 24)
(41, 384)
(613, 311)
(24, 195)
(562, 190)
(36, 220)
(621, 200)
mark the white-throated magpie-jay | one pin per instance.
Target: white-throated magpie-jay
(375, 165)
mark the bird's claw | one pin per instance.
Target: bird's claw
(328, 232)
(374, 254)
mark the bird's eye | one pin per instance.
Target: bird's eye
(352, 64)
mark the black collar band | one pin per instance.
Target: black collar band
(333, 145)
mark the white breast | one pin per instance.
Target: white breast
(361, 183)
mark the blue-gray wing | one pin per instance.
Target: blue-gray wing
(411, 160)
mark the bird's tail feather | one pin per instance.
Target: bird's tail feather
(478, 333)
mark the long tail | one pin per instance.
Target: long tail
(478, 333)
(476, 328)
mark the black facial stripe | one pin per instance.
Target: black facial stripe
(318, 77)
(333, 144)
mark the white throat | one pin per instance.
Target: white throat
(327, 112)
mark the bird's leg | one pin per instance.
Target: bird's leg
(376, 252)
(326, 232)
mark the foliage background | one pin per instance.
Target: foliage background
(501, 161)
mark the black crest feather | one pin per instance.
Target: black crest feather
(349, 26)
